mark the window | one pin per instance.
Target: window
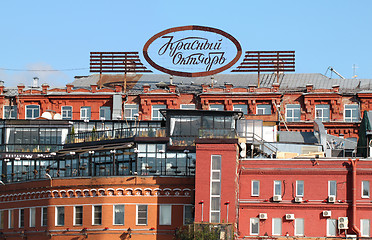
(299, 227)
(32, 217)
(118, 214)
(85, 113)
(156, 115)
(277, 226)
(351, 113)
(299, 188)
(78, 215)
(215, 188)
(60, 216)
(364, 227)
(332, 188)
(32, 111)
(44, 216)
(293, 113)
(241, 107)
(187, 106)
(331, 227)
(277, 188)
(131, 111)
(263, 109)
(10, 218)
(2, 220)
(141, 214)
(104, 113)
(66, 112)
(97, 215)
(365, 189)
(255, 228)
(255, 188)
(165, 216)
(10, 112)
(188, 216)
(322, 112)
(216, 107)
(21, 218)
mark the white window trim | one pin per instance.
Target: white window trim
(292, 109)
(33, 117)
(32, 216)
(10, 218)
(295, 223)
(212, 181)
(216, 109)
(129, 107)
(252, 188)
(19, 218)
(322, 118)
(264, 109)
(273, 227)
(280, 188)
(191, 104)
(303, 188)
(328, 222)
(160, 206)
(71, 112)
(74, 215)
(362, 229)
(369, 185)
(56, 215)
(358, 112)
(250, 226)
(147, 215)
(113, 215)
(42, 216)
(160, 117)
(85, 108)
(93, 210)
(329, 188)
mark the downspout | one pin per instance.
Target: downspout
(355, 229)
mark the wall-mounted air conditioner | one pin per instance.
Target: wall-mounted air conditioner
(262, 216)
(343, 223)
(332, 198)
(277, 198)
(289, 217)
(298, 199)
(327, 213)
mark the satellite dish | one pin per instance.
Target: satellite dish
(57, 116)
(47, 115)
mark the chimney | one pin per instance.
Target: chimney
(276, 87)
(172, 88)
(69, 87)
(1, 87)
(35, 83)
(251, 88)
(93, 87)
(309, 87)
(118, 88)
(336, 88)
(228, 87)
(20, 88)
(146, 88)
(205, 87)
(44, 87)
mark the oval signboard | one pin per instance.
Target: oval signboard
(192, 51)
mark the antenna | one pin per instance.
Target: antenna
(354, 71)
(333, 70)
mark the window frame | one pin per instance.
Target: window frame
(274, 226)
(156, 108)
(292, 108)
(133, 109)
(280, 185)
(241, 108)
(369, 192)
(253, 194)
(190, 106)
(329, 187)
(147, 215)
(75, 213)
(12, 109)
(44, 218)
(2, 218)
(297, 187)
(57, 216)
(114, 215)
(94, 207)
(322, 108)
(329, 222)
(261, 107)
(161, 209)
(296, 226)
(257, 221)
(184, 214)
(215, 169)
(352, 118)
(362, 230)
(32, 111)
(106, 110)
(66, 111)
(88, 114)
(32, 217)
(21, 218)
(213, 107)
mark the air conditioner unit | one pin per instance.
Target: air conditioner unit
(262, 216)
(298, 199)
(343, 223)
(327, 213)
(289, 217)
(277, 198)
(331, 198)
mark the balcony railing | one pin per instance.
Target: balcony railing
(217, 133)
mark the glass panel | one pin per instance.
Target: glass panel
(216, 188)
(277, 188)
(216, 162)
(215, 217)
(60, 216)
(119, 215)
(331, 227)
(78, 215)
(142, 214)
(165, 217)
(277, 226)
(365, 185)
(300, 188)
(332, 188)
(299, 227)
(254, 226)
(97, 215)
(255, 188)
(189, 216)
(215, 204)
(365, 231)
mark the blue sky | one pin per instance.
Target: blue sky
(57, 35)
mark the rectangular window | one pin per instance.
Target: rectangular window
(118, 214)
(263, 109)
(331, 227)
(241, 107)
(364, 227)
(156, 115)
(299, 227)
(322, 112)
(277, 226)
(299, 188)
(351, 113)
(44, 216)
(277, 188)
(97, 215)
(21, 218)
(255, 228)
(60, 216)
(187, 106)
(78, 215)
(131, 111)
(32, 217)
(2, 220)
(365, 189)
(85, 113)
(293, 113)
(332, 188)
(215, 188)
(188, 216)
(66, 112)
(10, 218)
(255, 188)
(104, 113)
(216, 107)
(165, 215)
(32, 111)
(10, 112)
(141, 214)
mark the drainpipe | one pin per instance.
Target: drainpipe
(356, 230)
